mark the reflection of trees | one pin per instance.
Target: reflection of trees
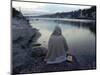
(93, 29)
(91, 26)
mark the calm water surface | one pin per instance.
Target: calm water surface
(80, 39)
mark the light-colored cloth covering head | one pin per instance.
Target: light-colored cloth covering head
(57, 47)
(57, 31)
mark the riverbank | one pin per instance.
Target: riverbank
(29, 58)
(63, 19)
(28, 55)
(23, 36)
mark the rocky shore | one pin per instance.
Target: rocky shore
(27, 54)
(23, 39)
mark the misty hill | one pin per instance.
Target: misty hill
(78, 14)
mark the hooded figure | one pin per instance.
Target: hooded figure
(57, 47)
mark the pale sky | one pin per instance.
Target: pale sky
(44, 8)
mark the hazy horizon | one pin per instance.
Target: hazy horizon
(36, 9)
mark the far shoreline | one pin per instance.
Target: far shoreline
(61, 19)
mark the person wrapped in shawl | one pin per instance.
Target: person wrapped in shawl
(57, 47)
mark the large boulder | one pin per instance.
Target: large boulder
(39, 52)
(23, 35)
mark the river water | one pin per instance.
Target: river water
(80, 38)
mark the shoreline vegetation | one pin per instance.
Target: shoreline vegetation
(89, 14)
(28, 55)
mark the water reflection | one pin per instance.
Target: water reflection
(80, 37)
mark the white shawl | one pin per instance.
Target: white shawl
(57, 48)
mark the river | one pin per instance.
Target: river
(80, 38)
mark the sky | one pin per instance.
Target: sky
(35, 9)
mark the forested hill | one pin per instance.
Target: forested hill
(78, 14)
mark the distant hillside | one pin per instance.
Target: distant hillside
(79, 14)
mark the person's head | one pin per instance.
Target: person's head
(57, 31)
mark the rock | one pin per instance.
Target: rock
(39, 51)
(63, 66)
(23, 35)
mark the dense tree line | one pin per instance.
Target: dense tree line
(89, 13)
